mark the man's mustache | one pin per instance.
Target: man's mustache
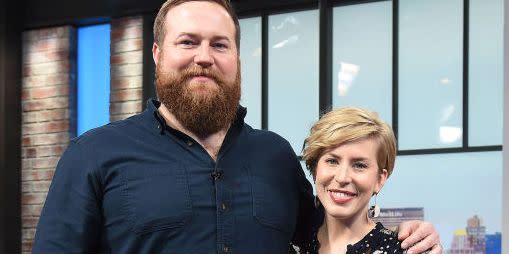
(195, 71)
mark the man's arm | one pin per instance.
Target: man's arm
(418, 237)
(307, 214)
(70, 220)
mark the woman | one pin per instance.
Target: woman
(350, 153)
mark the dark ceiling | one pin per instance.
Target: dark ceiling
(80, 12)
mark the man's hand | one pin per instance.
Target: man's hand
(418, 237)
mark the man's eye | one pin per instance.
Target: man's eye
(186, 43)
(220, 46)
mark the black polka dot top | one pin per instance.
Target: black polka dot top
(378, 241)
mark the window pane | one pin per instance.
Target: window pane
(251, 69)
(362, 57)
(293, 75)
(93, 77)
(485, 72)
(430, 74)
(451, 188)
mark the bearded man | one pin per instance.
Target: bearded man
(187, 175)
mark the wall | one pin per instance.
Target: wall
(126, 67)
(48, 116)
(10, 118)
(49, 103)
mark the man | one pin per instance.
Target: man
(187, 175)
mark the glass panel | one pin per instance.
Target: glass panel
(450, 189)
(430, 74)
(93, 77)
(251, 66)
(485, 72)
(362, 57)
(293, 75)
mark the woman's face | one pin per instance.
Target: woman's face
(346, 178)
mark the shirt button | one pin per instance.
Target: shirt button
(189, 143)
(226, 249)
(223, 206)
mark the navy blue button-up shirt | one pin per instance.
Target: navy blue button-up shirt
(138, 186)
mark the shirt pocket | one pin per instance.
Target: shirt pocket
(156, 198)
(274, 204)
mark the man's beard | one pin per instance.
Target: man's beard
(203, 108)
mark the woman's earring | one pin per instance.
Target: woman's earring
(317, 202)
(374, 210)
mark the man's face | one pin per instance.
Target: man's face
(198, 73)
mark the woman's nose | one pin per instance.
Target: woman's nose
(342, 175)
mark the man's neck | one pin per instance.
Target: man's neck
(211, 143)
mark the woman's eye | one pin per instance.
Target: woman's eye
(331, 161)
(360, 165)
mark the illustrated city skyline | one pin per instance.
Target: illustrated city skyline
(471, 238)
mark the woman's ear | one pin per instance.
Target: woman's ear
(381, 180)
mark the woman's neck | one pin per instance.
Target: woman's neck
(335, 234)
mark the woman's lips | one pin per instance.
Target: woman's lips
(341, 196)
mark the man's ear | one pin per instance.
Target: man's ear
(156, 51)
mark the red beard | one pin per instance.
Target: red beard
(203, 108)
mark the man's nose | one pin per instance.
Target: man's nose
(203, 56)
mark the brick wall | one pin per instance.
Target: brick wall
(48, 116)
(126, 67)
(49, 103)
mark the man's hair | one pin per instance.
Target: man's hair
(347, 125)
(159, 24)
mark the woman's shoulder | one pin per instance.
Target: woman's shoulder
(378, 241)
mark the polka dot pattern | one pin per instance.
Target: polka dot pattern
(378, 241)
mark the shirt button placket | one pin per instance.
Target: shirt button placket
(223, 206)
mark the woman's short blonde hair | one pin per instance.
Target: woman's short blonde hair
(345, 125)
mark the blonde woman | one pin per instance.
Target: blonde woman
(350, 153)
